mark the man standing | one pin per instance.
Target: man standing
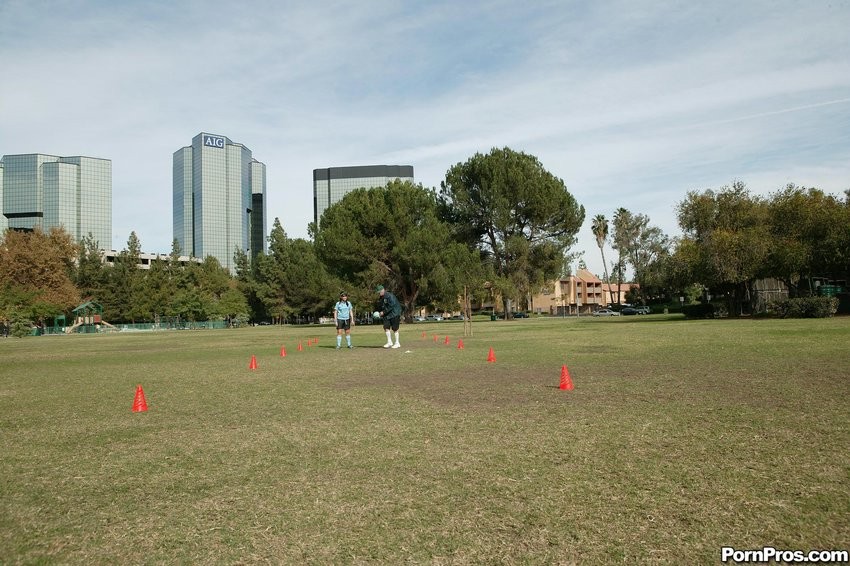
(390, 310)
(344, 319)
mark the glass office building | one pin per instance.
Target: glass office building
(257, 216)
(48, 191)
(219, 199)
(3, 222)
(333, 183)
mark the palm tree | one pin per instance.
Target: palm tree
(622, 243)
(600, 230)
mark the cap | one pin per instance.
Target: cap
(343, 294)
(379, 288)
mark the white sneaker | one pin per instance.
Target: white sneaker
(396, 345)
(388, 345)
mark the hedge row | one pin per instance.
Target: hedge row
(805, 307)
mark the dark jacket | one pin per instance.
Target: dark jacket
(389, 305)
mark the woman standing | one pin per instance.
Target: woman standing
(344, 319)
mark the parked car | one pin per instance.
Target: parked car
(605, 312)
(419, 319)
(520, 314)
(458, 317)
(643, 310)
(434, 318)
(626, 311)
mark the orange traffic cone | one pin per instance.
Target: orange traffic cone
(253, 364)
(566, 382)
(300, 347)
(283, 351)
(423, 334)
(460, 344)
(491, 357)
(139, 403)
(435, 338)
(447, 340)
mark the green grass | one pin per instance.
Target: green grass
(679, 438)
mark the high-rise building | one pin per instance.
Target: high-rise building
(219, 199)
(47, 191)
(333, 183)
(257, 217)
(3, 222)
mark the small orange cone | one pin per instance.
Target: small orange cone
(423, 334)
(253, 364)
(283, 351)
(300, 347)
(566, 382)
(435, 338)
(491, 357)
(139, 403)
(447, 340)
(460, 344)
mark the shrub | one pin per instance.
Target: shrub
(805, 307)
(700, 310)
(20, 326)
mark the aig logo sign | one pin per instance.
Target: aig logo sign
(213, 141)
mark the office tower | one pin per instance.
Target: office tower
(219, 199)
(47, 191)
(333, 183)
(257, 216)
(3, 222)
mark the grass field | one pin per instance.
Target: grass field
(680, 437)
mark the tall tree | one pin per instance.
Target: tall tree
(36, 273)
(728, 236)
(271, 274)
(623, 236)
(89, 274)
(388, 235)
(810, 236)
(123, 292)
(157, 291)
(599, 227)
(289, 281)
(248, 284)
(308, 286)
(519, 215)
(640, 245)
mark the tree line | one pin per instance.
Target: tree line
(731, 239)
(500, 227)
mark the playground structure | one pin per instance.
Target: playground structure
(88, 317)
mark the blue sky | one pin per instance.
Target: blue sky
(631, 103)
